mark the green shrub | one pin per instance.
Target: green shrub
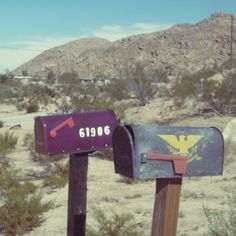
(141, 83)
(22, 212)
(223, 98)
(21, 204)
(29, 143)
(117, 89)
(114, 225)
(31, 106)
(7, 142)
(220, 222)
(220, 96)
(8, 179)
(55, 180)
(184, 87)
(58, 177)
(127, 180)
(106, 154)
(1, 124)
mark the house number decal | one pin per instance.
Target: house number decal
(94, 131)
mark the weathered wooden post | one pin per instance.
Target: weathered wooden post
(77, 194)
(167, 154)
(78, 135)
(166, 207)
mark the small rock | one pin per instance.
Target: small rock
(18, 126)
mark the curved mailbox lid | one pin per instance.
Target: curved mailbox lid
(203, 147)
(123, 148)
(74, 133)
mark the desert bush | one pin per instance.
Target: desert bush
(90, 98)
(117, 89)
(22, 212)
(106, 154)
(223, 96)
(7, 142)
(184, 87)
(51, 77)
(21, 203)
(31, 106)
(126, 180)
(1, 124)
(68, 77)
(8, 180)
(219, 96)
(29, 143)
(114, 225)
(142, 83)
(6, 78)
(220, 222)
(3, 78)
(58, 177)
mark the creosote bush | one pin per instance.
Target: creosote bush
(106, 154)
(7, 142)
(21, 206)
(219, 96)
(29, 143)
(31, 106)
(222, 222)
(57, 178)
(142, 83)
(114, 225)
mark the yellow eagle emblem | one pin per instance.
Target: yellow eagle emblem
(183, 145)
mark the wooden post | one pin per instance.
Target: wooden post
(166, 208)
(76, 225)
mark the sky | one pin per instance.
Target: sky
(28, 27)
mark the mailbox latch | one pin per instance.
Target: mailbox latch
(179, 162)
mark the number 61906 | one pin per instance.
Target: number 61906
(94, 131)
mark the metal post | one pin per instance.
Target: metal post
(76, 225)
(231, 41)
(166, 208)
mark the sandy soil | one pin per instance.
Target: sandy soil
(107, 191)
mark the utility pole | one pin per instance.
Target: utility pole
(231, 41)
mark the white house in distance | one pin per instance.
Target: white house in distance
(98, 81)
(22, 78)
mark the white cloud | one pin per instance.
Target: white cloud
(39, 44)
(10, 58)
(20, 52)
(115, 32)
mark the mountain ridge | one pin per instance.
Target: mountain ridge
(183, 48)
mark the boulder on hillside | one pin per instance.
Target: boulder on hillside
(229, 132)
(229, 135)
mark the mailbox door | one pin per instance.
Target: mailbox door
(123, 148)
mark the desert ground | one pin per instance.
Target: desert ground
(107, 191)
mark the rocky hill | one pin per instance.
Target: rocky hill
(181, 49)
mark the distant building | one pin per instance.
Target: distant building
(102, 81)
(95, 81)
(23, 79)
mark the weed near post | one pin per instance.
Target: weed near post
(220, 222)
(114, 225)
(21, 204)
